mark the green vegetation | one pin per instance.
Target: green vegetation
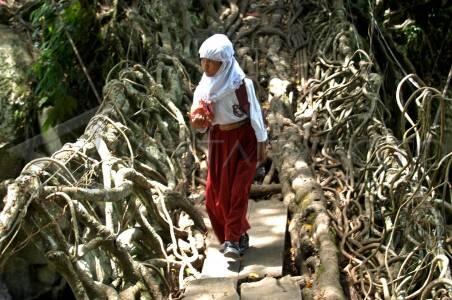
(61, 82)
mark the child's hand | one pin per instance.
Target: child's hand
(199, 122)
(202, 116)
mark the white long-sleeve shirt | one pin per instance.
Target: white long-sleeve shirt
(227, 110)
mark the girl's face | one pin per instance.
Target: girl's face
(210, 67)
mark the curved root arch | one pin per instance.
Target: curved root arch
(386, 197)
(103, 209)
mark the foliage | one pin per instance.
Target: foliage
(412, 34)
(60, 79)
(420, 29)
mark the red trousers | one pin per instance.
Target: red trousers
(231, 169)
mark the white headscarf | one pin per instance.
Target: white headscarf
(228, 78)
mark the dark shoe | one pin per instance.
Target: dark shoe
(244, 242)
(231, 249)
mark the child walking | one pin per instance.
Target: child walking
(225, 103)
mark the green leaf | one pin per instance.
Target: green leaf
(43, 101)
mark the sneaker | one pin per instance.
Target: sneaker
(244, 242)
(231, 249)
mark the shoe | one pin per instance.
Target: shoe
(244, 242)
(231, 249)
